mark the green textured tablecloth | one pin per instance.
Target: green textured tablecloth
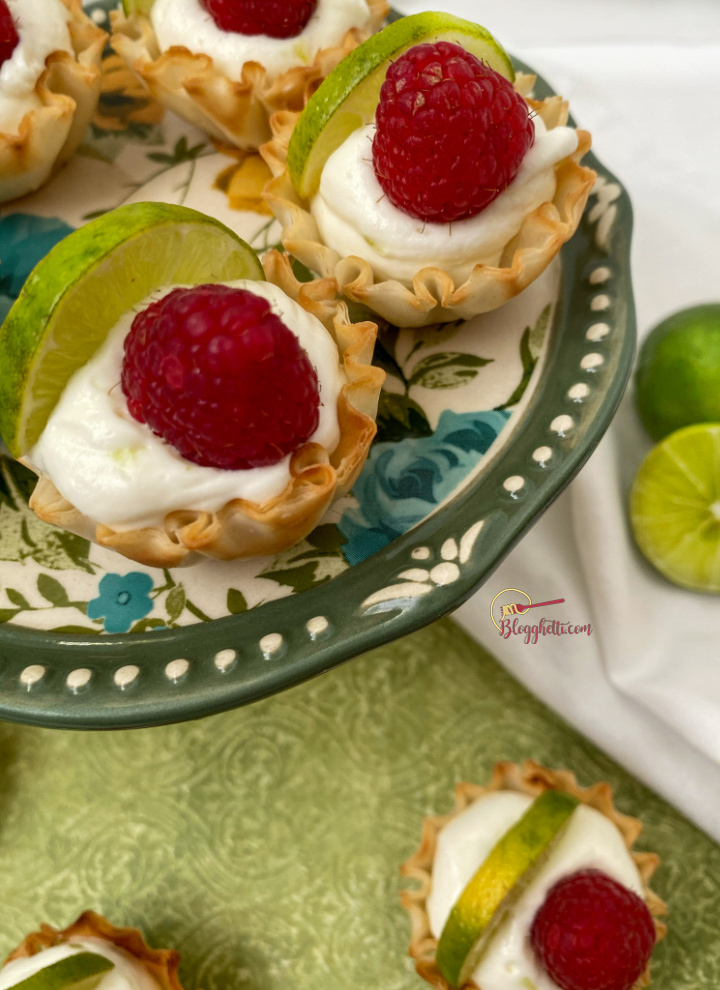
(264, 843)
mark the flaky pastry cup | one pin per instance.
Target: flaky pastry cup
(235, 111)
(318, 476)
(161, 964)
(68, 90)
(532, 779)
(434, 297)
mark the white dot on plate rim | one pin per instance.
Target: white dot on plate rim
(542, 454)
(224, 659)
(445, 573)
(271, 643)
(600, 275)
(562, 424)
(125, 676)
(32, 674)
(78, 678)
(177, 669)
(598, 331)
(317, 625)
(420, 553)
(578, 391)
(600, 303)
(592, 361)
(514, 483)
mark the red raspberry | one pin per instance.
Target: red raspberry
(278, 18)
(451, 133)
(8, 33)
(217, 374)
(592, 933)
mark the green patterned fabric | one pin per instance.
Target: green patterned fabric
(264, 843)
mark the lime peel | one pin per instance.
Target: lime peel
(81, 971)
(347, 98)
(78, 292)
(498, 883)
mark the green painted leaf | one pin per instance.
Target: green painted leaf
(52, 590)
(17, 599)
(311, 562)
(8, 613)
(327, 538)
(236, 602)
(538, 332)
(175, 603)
(143, 625)
(85, 630)
(400, 417)
(528, 366)
(447, 370)
(382, 358)
(24, 537)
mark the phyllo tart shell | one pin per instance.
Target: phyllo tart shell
(234, 111)
(68, 89)
(242, 528)
(161, 964)
(532, 779)
(434, 297)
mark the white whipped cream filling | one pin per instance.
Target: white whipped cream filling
(355, 217)
(186, 22)
(42, 27)
(128, 974)
(117, 471)
(590, 841)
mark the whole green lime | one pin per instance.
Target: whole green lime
(678, 374)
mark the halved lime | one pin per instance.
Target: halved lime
(678, 372)
(78, 292)
(498, 883)
(348, 97)
(82, 971)
(675, 507)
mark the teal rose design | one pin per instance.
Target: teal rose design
(402, 483)
(24, 240)
(123, 599)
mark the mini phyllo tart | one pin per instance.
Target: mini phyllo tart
(423, 178)
(226, 65)
(532, 881)
(90, 954)
(174, 399)
(50, 55)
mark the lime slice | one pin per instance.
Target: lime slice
(675, 507)
(498, 883)
(678, 373)
(78, 292)
(83, 971)
(137, 6)
(347, 98)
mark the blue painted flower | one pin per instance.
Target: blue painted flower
(402, 483)
(25, 240)
(123, 599)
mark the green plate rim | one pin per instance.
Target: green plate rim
(358, 619)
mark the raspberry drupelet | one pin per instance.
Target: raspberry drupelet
(451, 133)
(8, 33)
(591, 933)
(214, 372)
(276, 18)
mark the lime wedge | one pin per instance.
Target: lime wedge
(83, 971)
(347, 98)
(498, 883)
(137, 6)
(675, 507)
(77, 293)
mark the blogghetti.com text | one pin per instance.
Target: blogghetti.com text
(533, 632)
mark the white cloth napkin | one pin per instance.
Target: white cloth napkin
(644, 78)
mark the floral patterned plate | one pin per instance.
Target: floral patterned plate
(481, 424)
